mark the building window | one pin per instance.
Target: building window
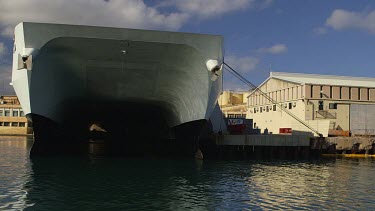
(267, 109)
(6, 124)
(15, 113)
(359, 93)
(275, 94)
(274, 107)
(321, 105)
(238, 116)
(1, 112)
(292, 93)
(333, 106)
(255, 110)
(21, 124)
(368, 94)
(321, 91)
(340, 92)
(350, 93)
(1, 123)
(261, 109)
(22, 113)
(290, 106)
(14, 124)
(7, 112)
(330, 92)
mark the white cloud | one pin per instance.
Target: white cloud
(275, 49)
(3, 49)
(242, 64)
(8, 31)
(343, 19)
(266, 3)
(203, 9)
(210, 8)
(116, 13)
(5, 79)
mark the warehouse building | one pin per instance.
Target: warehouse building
(332, 105)
(12, 117)
(230, 105)
(233, 104)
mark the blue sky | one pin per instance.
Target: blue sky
(335, 37)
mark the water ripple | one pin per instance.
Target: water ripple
(105, 183)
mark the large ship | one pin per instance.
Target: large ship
(68, 77)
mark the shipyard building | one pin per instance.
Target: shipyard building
(332, 105)
(233, 104)
(12, 117)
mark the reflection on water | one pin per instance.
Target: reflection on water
(99, 182)
(343, 184)
(15, 172)
(97, 147)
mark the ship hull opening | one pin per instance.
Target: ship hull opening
(82, 82)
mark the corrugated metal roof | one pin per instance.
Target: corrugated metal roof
(324, 79)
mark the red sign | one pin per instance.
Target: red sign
(285, 130)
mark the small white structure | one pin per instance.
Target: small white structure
(330, 104)
(233, 104)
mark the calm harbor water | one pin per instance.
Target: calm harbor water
(115, 183)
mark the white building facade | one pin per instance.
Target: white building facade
(332, 105)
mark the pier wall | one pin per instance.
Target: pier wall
(290, 146)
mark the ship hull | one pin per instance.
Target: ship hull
(129, 81)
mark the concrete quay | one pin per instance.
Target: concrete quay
(264, 147)
(292, 146)
(346, 145)
(263, 140)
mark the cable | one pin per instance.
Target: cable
(221, 102)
